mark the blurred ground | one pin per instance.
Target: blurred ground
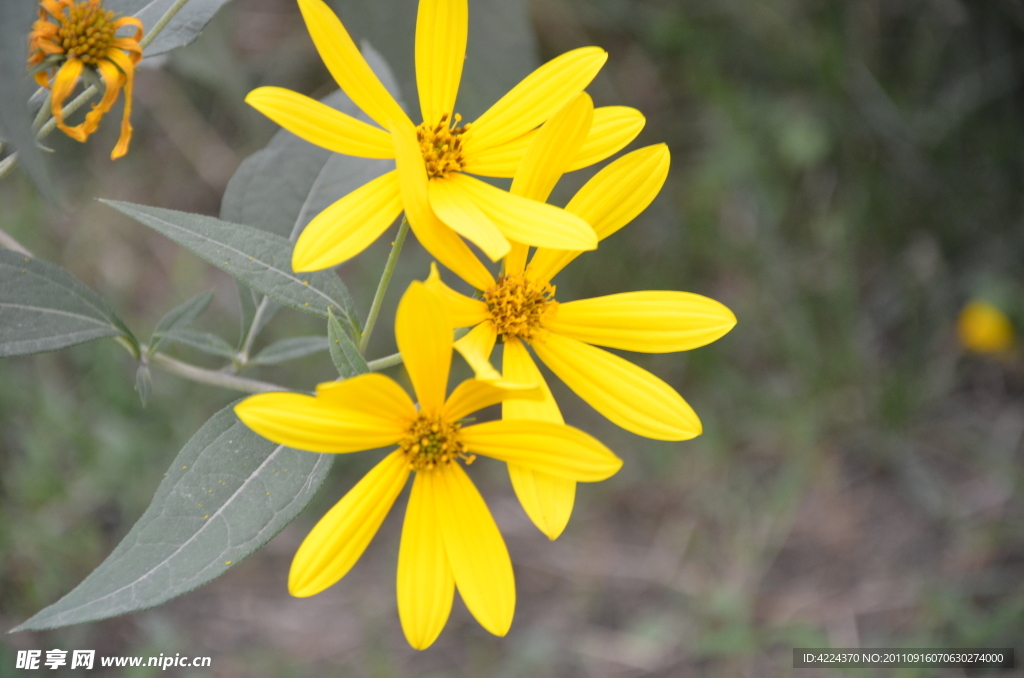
(846, 175)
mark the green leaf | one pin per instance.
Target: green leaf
(143, 384)
(226, 494)
(344, 354)
(182, 29)
(247, 301)
(257, 258)
(180, 317)
(290, 349)
(283, 186)
(43, 308)
(16, 88)
(203, 341)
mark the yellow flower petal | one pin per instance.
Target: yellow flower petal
(63, 84)
(476, 551)
(423, 332)
(349, 225)
(441, 31)
(527, 221)
(649, 322)
(464, 311)
(334, 545)
(547, 499)
(474, 394)
(426, 586)
(628, 395)
(127, 66)
(320, 124)
(553, 149)
(347, 65)
(433, 234)
(984, 328)
(518, 367)
(535, 98)
(370, 395)
(458, 212)
(610, 200)
(543, 446)
(476, 348)
(515, 260)
(613, 127)
(314, 424)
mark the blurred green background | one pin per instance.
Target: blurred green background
(846, 176)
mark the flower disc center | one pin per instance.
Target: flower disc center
(518, 305)
(87, 31)
(432, 442)
(441, 146)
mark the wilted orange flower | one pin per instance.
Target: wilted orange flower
(72, 35)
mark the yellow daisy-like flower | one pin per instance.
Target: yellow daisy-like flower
(434, 160)
(72, 35)
(983, 328)
(521, 308)
(449, 538)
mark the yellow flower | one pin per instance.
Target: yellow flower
(983, 328)
(72, 35)
(434, 159)
(449, 538)
(521, 308)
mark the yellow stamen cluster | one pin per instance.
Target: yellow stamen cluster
(442, 147)
(86, 32)
(432, 442)
(518, 305)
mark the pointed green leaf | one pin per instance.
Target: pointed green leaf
(289, 349)
(43, 308)
(143, 384)
(202, 341)
(283, 186)
(344, 354)
(180, 317)
(257, 258)
(182, 29)
(226, 494)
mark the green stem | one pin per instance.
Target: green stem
(159, 26)
(382, 286)
(385, 362)
(44, 111)
(7, 164)
(10, 243)
(250, 337)
(212, 377)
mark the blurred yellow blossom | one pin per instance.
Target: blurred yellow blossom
(983, 328)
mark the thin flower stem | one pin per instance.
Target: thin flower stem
(250, 337)
(159, 25)
(44, 111)
(385, 362)
(382, 287)
(7, 164)
(10, 243)
(212, 377)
